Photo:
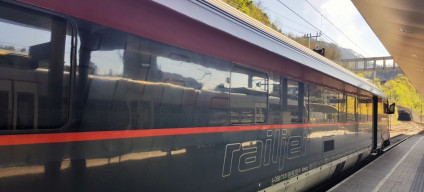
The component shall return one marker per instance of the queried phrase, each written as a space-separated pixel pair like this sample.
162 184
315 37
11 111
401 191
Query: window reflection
351 108
274 100
323 104
35 65
293 101
107 63
138 83
248 99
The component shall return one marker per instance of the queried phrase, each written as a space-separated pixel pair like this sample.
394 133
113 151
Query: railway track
401 132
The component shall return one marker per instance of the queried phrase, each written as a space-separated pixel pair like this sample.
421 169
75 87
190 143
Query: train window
304 106
316 104
143 84
274 99
362 109
109 101
293 101
323 105
370 110
342 107
351 108
331 103
248 96
34 69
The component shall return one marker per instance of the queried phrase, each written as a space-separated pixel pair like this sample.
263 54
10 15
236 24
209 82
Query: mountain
346 53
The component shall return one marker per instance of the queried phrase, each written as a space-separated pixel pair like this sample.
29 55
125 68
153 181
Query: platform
398 169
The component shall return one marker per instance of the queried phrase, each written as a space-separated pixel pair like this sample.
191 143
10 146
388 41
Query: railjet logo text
275 149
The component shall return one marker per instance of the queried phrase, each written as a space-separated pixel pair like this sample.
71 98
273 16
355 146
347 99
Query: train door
383 121
376 130
381 135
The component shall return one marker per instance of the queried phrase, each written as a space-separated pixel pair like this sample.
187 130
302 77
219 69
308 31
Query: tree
8 47
252 10
360 75
403 93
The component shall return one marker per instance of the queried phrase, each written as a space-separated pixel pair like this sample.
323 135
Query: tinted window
275 99
370 110
342 107
34 69
323 105
362 109
331 105
248 96
139 83
351 108
293 101
316 107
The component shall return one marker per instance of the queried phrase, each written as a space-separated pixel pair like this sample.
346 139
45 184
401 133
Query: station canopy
399 24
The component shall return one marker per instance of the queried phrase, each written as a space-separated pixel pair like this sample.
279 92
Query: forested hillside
332 51
401 91
253 10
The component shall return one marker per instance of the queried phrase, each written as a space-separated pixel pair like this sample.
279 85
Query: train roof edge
224 17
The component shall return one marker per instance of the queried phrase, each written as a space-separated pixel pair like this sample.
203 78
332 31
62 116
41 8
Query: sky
340 23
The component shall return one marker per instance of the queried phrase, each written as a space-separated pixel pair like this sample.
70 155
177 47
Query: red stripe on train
123 134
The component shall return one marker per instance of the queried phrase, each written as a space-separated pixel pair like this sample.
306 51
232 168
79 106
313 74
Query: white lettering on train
275 149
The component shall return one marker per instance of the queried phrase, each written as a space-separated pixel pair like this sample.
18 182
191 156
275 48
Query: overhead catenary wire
302 32
294 29
286 18
322 16
310 24
297 14
342 49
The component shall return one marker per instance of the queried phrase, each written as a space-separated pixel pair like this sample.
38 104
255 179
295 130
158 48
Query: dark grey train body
161 101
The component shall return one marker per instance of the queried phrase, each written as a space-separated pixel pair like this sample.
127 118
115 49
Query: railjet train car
163 95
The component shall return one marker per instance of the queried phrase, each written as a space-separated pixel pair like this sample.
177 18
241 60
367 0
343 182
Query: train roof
222 16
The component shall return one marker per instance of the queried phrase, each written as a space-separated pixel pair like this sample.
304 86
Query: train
189 95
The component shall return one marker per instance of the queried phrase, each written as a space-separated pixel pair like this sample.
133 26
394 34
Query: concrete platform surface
399 169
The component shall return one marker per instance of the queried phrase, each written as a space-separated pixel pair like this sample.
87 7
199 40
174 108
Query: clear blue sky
356 34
